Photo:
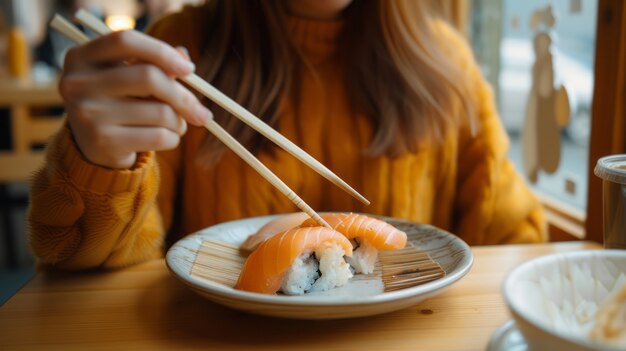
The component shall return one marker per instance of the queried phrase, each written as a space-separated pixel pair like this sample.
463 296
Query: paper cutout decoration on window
575 6
548 108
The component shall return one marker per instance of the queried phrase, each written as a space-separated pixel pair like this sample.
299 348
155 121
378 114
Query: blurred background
502 34
30 107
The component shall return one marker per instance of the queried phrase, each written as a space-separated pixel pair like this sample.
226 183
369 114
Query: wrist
92 177
114 162
101 157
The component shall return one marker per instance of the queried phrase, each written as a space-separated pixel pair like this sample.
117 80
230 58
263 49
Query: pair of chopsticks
206 89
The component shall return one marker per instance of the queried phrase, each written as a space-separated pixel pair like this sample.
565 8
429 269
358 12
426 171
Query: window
539 57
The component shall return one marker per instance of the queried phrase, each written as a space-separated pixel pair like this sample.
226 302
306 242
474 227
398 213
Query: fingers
92 70
116 146
126 45
100 86
110 132
132 113
133 139
142 80
184 52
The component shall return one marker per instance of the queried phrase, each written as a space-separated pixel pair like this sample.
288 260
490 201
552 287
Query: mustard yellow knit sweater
83 216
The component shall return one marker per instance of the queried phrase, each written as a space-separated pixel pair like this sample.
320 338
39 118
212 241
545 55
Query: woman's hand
116 110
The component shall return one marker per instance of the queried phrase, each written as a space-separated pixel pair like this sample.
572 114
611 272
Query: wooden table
143 307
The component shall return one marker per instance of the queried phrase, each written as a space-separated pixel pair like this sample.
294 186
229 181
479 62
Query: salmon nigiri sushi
273 227
296 261
367 234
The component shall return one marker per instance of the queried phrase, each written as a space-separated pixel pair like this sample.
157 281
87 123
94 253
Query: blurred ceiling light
120 22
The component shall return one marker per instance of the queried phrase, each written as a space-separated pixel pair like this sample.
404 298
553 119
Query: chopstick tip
361 198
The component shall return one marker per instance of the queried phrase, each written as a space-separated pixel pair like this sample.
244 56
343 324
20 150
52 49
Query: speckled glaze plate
360 297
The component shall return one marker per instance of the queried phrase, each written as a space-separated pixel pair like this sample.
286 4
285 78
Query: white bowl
553 298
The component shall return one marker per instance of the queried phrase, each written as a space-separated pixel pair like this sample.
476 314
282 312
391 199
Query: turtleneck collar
316 39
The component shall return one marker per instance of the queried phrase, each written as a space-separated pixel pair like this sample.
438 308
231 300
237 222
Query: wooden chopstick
234 145
206 89
68 29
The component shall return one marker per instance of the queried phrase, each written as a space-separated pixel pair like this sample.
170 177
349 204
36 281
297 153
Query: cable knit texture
84 216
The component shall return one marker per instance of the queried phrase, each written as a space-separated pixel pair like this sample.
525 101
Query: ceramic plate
358 298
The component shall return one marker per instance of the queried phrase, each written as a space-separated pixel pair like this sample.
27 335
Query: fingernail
190 65
203 114
183 126
184 51
185 67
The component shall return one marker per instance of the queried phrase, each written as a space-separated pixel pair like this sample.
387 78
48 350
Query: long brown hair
403 80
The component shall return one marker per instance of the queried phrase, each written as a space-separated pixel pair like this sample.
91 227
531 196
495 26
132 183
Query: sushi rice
310 274
363 257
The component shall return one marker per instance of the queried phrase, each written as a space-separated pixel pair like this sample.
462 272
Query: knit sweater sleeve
84 216
493 203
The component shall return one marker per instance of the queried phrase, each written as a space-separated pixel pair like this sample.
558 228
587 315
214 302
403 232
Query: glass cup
612 170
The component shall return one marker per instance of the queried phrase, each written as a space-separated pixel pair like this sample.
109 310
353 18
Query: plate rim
246 296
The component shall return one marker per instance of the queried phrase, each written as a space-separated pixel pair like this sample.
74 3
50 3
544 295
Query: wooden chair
27 104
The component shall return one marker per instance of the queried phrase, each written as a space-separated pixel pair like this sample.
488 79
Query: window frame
608 116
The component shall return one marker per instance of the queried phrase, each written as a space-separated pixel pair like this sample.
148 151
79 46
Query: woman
383 94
